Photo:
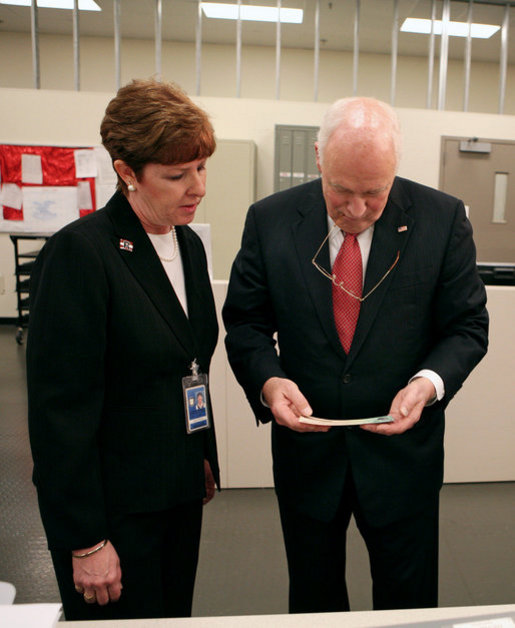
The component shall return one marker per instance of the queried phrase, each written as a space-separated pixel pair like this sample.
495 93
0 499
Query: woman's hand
98 578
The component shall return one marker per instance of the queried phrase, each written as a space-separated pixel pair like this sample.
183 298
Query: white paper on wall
85 163
84 195
31 170
47 209
11 195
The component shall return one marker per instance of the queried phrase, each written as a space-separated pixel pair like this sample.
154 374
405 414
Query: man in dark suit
421 328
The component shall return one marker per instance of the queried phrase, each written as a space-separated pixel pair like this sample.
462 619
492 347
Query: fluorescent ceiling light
84 5
458 29
252 13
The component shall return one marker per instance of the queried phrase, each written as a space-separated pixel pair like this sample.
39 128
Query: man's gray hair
345 107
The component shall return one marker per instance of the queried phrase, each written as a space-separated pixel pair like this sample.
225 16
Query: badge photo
197 413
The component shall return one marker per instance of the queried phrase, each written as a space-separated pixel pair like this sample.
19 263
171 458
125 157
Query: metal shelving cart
23 262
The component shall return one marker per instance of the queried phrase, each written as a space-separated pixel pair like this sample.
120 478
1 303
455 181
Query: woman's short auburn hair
150 121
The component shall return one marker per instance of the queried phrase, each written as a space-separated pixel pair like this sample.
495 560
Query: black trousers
158 554
403 558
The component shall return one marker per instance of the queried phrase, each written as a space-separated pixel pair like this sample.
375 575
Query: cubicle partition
480 426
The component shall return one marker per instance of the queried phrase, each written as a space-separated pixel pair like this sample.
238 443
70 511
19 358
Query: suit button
347 378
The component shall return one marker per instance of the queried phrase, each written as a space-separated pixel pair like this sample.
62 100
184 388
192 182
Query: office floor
242 568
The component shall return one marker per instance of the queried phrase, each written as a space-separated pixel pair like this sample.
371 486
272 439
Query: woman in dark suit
122 330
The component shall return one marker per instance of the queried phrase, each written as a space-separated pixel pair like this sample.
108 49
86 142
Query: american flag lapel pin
126 245
403 228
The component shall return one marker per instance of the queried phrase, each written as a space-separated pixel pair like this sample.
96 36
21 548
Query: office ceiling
179 20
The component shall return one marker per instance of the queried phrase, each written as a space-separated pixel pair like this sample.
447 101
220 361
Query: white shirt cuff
437 382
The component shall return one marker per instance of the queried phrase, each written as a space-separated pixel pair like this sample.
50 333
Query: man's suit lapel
391 234
147 269
308 234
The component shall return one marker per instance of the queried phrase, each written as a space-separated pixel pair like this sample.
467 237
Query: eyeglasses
339 284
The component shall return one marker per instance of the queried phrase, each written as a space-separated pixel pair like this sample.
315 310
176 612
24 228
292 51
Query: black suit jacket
428 313
108 344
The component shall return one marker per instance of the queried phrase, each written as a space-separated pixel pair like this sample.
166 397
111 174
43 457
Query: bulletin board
44 188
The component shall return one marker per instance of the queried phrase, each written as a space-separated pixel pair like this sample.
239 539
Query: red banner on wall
56 167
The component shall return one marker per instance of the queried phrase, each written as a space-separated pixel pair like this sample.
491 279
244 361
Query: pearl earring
130 187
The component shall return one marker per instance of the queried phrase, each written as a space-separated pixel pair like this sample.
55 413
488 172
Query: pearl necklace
175 248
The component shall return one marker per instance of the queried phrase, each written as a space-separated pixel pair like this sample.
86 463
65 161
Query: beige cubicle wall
231 188
480 427
243 447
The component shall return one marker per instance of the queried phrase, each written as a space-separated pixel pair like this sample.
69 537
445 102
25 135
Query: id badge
195 388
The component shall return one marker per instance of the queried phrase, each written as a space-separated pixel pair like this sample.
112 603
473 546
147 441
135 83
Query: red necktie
348 269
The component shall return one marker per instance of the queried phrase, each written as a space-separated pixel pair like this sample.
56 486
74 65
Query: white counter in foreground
465 617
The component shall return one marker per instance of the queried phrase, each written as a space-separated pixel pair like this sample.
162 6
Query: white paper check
313 420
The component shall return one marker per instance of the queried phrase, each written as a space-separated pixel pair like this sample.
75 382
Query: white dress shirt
165 246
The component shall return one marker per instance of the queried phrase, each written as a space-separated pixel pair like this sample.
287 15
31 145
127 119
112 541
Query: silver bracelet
93 551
